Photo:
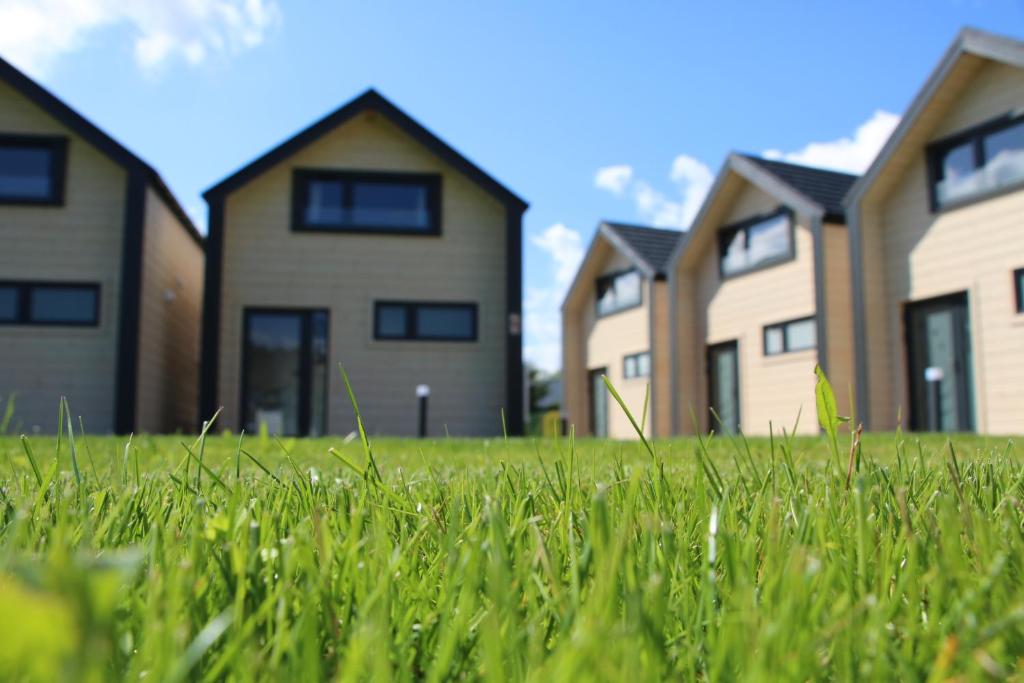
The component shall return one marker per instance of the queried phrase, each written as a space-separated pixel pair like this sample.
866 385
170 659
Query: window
399 320
1018 281
637 365
619 291
32 303
402 203
795 335
977 162
32 169
756 243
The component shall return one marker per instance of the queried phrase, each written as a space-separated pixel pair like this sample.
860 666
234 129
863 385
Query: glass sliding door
284 371
598 403
939 355
724 387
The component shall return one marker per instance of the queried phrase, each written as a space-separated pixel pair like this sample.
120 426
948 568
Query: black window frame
300 194
726 233
936 150
411 333
785 339
1018 287
58 147
635 357
24 290
611 277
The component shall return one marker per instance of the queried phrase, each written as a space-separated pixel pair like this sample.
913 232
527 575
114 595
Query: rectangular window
32 169
619 291
977 162
1018 282
794 335
424 321
756 243
637 365
49 303
403 203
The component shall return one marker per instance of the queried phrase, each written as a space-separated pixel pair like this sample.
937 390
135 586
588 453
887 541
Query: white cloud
614 179
34 34
853 155
542 316
692 180
565 247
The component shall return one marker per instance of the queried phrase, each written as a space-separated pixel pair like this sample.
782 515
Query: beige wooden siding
661 359
608 340
839 313
974 248
265 264
80 241
772 389
172 288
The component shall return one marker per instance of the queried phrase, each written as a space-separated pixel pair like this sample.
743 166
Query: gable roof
88 131
806 190
970 41
827 188
370 100
653 247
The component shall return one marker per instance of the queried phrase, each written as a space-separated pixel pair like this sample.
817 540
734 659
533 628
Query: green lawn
525 559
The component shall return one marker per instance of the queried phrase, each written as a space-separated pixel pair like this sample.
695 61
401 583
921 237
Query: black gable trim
371 100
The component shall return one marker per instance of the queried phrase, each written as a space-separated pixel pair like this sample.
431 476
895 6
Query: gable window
756 243
619 291
977 162
424 321
1018 283
32 169
637 365
794 335
33 303
405 203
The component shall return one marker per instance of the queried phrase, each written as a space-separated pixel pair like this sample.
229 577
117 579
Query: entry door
598 403
939 354
284 371
724 386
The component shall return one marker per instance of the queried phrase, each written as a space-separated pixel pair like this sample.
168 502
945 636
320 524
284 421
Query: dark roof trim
96 137
370 100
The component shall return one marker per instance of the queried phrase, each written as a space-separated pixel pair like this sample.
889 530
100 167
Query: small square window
426 321
9 303
636 365
392 321
795 335
31 169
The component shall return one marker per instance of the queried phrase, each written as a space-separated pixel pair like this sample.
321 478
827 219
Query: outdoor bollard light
423 393
933 376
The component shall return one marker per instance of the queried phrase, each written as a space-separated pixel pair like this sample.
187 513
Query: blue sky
591 110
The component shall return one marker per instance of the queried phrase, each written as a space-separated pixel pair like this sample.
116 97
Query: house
615 323
937 251
760 294
101 275
363 241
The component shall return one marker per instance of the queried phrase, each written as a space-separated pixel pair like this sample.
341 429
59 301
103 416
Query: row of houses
364 240
906 284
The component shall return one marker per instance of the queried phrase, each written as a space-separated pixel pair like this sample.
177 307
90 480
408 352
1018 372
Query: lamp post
423 394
